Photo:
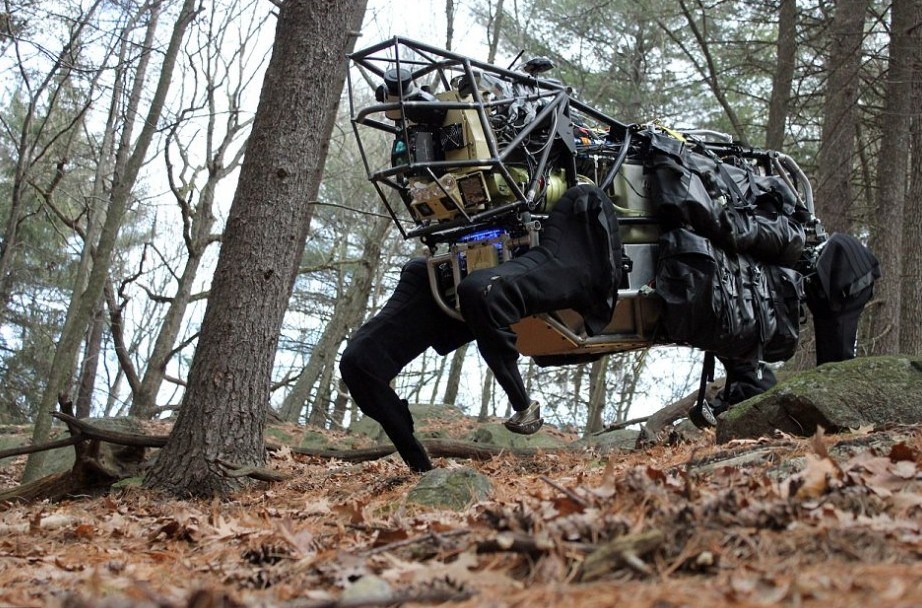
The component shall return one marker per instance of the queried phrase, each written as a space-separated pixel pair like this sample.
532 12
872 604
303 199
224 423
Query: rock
685 430
496 434
618 439
867 391
110 455
368 590
454 489
422 415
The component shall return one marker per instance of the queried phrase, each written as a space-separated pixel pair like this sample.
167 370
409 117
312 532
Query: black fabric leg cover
577 265
837 330
409 323
745 378
837 294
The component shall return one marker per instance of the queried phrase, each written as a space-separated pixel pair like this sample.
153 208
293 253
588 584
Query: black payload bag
685 192
726 202
714 301
787 289
764 219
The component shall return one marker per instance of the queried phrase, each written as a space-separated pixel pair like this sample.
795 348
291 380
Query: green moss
314 439
454 489
280 435
129 482
498 435
836 396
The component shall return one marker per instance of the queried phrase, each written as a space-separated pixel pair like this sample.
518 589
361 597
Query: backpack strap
707 375
701 415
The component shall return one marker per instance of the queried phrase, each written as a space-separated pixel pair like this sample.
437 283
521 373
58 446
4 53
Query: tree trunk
340 405
630 381
437 381
84 401
910 302
129 163
454 375
421 379
320 409
783 76
597 392
494 29
833 191
449 23
887 235
224 408
578 373
486 395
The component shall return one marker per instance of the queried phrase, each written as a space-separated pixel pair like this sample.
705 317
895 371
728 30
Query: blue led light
482 235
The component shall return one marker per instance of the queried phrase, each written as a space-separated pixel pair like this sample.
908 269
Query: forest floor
827 521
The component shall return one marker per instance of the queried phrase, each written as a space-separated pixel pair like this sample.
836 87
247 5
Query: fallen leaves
800 523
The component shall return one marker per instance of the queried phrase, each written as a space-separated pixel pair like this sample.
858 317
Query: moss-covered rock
837 396
618 439
314 440
496 434
62 459
423 414
281 435
454 489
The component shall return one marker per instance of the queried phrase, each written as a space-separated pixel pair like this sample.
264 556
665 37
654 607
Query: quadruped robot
469 158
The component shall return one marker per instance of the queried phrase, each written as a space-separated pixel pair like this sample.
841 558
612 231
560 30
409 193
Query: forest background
124 126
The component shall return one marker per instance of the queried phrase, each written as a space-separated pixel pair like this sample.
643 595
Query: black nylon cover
844 269
714 301
737 209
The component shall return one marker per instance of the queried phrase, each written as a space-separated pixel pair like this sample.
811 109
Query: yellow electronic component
473 144
481 256
440 200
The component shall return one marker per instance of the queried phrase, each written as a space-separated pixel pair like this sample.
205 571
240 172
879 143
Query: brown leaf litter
829 521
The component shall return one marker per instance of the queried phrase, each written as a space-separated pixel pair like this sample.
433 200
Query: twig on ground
412 541
236 471
568 492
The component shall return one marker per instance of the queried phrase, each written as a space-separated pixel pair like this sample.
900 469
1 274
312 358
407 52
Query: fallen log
438 448
97 467
120 438
656 428
51 445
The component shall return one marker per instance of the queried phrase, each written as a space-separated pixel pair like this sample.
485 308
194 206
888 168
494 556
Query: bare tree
836 158
349 310
597 394
892 176
494 29
486 395
911 276
783 76
215 62
450 397
706 64
224 408
632 367
130 158
449 23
